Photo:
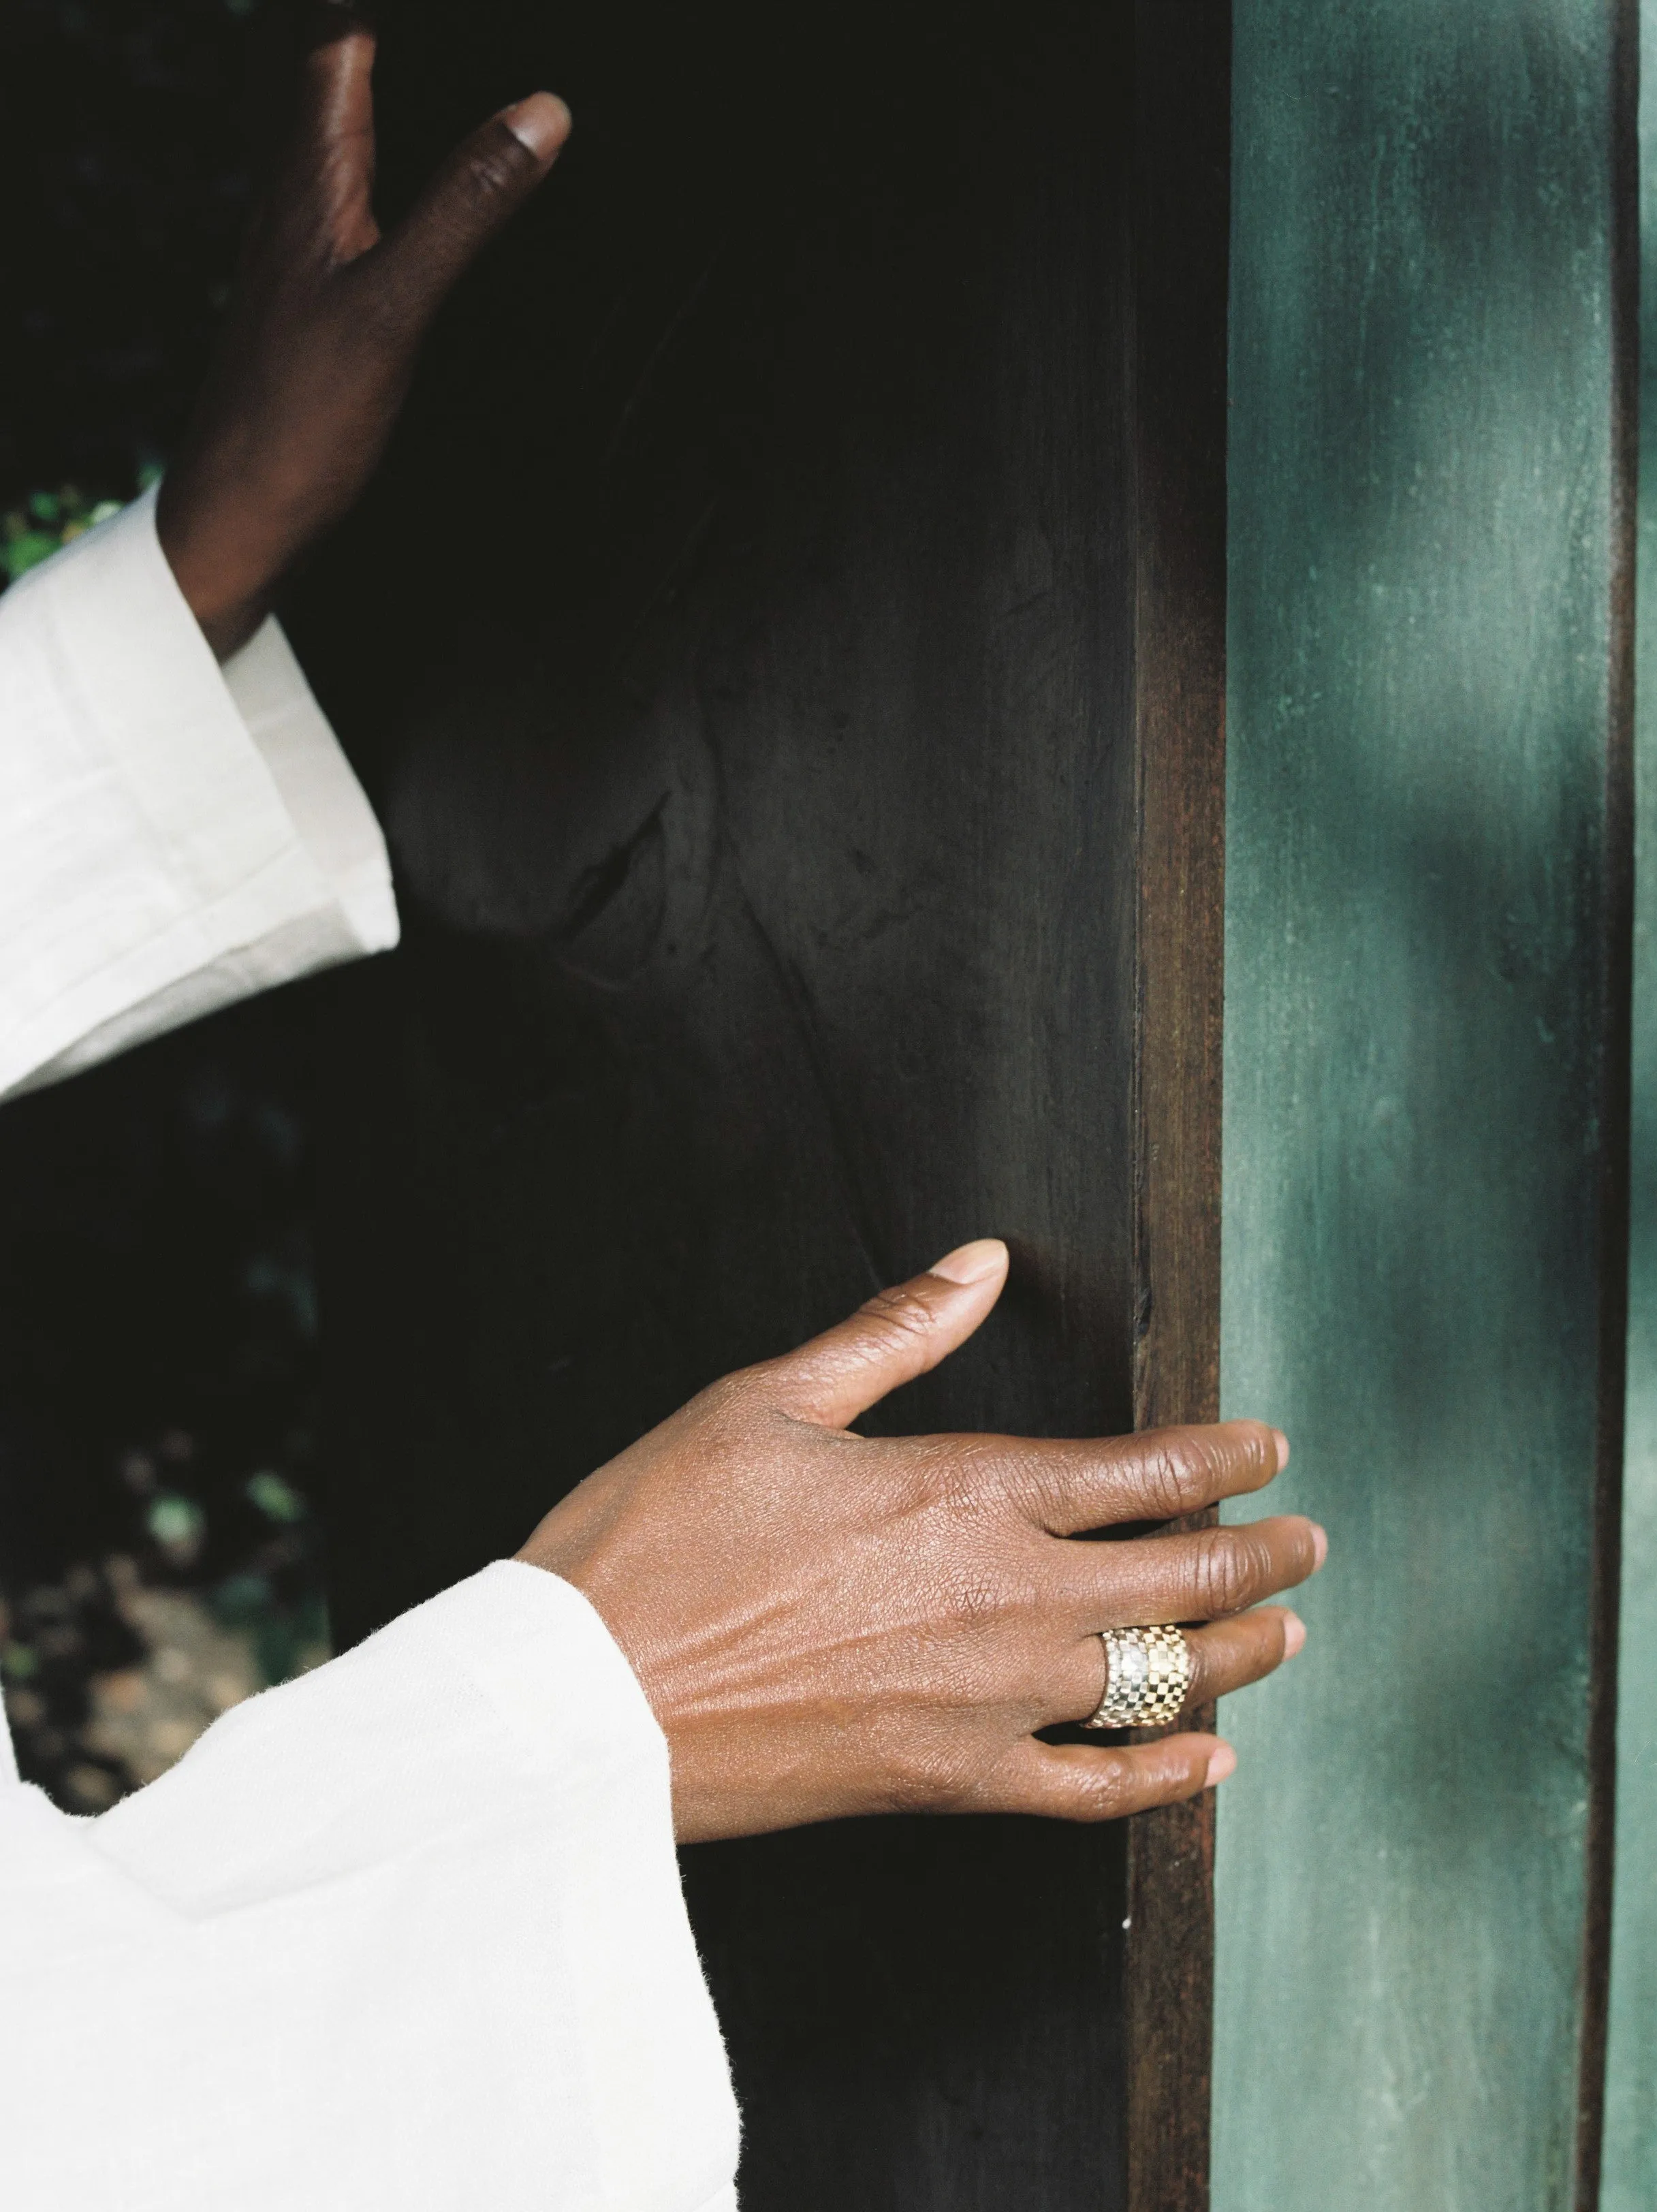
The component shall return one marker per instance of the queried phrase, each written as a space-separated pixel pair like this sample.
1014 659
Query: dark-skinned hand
325 326
824 1624
828 1624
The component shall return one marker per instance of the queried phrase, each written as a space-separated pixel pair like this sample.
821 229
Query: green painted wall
1419 640
1631 2170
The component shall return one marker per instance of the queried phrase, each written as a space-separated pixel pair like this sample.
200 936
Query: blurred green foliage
45 520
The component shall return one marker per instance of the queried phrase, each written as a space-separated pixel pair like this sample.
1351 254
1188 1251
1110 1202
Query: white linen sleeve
405 1935
173 835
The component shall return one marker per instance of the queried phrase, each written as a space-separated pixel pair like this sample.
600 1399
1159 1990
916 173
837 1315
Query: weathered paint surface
1631 2169
1421 533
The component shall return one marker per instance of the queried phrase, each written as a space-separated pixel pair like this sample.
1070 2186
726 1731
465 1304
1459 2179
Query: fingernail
1294 1634
971 1263
1320 1547
1282 1450
1222 1761
541 123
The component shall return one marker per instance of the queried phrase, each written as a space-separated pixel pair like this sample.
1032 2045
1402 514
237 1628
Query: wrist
226 594
230 626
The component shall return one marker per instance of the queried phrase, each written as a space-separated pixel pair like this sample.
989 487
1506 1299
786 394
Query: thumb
481 185
899 1335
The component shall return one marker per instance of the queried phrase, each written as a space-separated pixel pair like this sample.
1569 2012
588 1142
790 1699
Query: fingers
1196 1577
1161 1474
899 1335
1084 1781
1229 1655
1080 1782
479 188
330 165
337 79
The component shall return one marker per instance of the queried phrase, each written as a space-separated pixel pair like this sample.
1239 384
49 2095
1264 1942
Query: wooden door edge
1181 246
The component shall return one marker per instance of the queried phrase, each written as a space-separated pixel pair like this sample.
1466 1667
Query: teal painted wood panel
1423 532
1630 2167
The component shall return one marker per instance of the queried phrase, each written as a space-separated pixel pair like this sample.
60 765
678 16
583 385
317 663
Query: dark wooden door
792 685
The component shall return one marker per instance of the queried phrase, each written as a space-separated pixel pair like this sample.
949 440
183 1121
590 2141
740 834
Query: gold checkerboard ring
1148 1673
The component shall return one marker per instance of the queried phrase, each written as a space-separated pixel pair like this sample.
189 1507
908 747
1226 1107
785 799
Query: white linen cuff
411 1925
509 1678
176 835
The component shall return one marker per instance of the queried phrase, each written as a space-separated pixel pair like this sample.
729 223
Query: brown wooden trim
1618 999
1181 253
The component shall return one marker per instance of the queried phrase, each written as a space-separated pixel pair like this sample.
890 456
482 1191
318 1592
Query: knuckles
1183 1471
495 171
1254 1453
1233 1567
1224 1576
1230 1572
730 1401
974 1596
1106 1789
1175 1476
967 1478
1113 1784
892 1320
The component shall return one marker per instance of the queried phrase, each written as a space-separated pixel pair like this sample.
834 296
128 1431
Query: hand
828 1624
322 340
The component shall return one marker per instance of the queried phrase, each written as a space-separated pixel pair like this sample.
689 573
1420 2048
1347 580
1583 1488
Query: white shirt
407 1934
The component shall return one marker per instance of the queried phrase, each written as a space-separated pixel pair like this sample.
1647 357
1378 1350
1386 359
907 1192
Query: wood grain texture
1426 995
767 796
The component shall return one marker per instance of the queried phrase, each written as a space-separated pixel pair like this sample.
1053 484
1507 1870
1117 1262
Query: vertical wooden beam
1182 207
1427 991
